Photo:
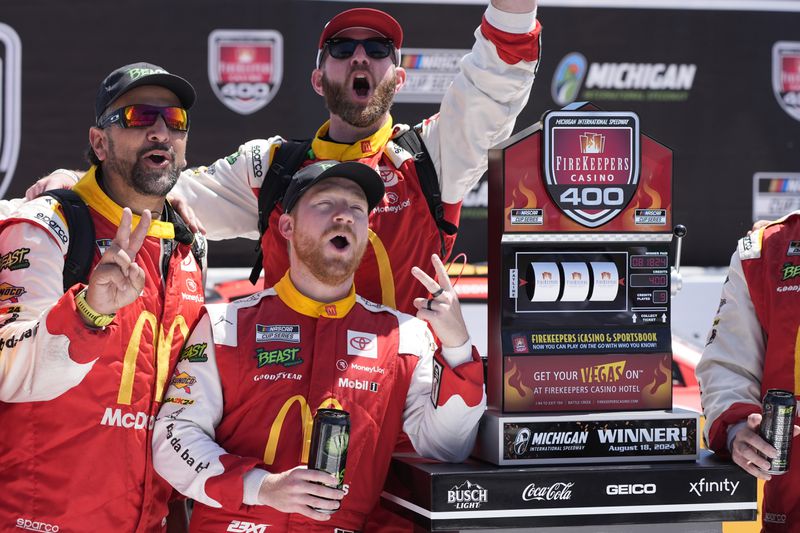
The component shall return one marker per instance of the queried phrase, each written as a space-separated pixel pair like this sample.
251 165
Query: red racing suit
262 366
753 347
77 404
477 112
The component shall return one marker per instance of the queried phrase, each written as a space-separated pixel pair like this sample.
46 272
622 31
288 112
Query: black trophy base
590 438
477 495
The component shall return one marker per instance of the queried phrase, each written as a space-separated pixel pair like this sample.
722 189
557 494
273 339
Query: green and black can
777 427
330 437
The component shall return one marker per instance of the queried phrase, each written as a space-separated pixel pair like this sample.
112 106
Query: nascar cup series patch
786 76
245 67
591 163
10 74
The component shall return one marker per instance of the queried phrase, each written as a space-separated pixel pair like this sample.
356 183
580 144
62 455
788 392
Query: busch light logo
591 163
467 496
568 79
786 76
245 67
521 441
10 74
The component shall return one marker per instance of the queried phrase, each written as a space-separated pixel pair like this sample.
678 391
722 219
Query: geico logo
53 226
636 488
237 526
115 417
31 525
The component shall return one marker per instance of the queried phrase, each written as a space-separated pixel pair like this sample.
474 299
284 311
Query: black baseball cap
305 178
135 75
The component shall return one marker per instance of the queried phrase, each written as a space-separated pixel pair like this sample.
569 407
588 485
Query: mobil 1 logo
10 95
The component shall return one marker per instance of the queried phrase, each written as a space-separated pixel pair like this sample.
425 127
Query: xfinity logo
556 491
635 488
468 495
704 486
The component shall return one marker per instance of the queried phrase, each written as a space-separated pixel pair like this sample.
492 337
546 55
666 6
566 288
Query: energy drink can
330 437
777 427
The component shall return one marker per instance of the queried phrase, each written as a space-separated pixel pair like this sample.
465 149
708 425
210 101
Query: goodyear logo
284 357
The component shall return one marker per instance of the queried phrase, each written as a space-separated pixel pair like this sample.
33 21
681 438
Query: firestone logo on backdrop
10 94
245 67
786 76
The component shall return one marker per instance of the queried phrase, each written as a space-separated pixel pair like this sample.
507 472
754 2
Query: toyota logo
360 343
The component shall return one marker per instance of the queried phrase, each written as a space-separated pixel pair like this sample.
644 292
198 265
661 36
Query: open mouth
361 85
340 242
157 157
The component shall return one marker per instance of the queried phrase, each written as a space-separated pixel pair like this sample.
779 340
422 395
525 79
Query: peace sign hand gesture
117 280
443 310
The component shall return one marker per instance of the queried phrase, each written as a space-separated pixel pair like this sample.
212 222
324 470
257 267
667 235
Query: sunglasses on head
143 115
376 47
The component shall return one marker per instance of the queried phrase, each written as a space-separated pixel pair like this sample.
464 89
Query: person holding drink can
235 432
749 374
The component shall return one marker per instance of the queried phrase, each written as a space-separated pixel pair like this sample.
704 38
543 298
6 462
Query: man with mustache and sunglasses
82 371
237 442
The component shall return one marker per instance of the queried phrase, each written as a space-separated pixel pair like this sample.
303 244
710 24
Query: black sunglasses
376 47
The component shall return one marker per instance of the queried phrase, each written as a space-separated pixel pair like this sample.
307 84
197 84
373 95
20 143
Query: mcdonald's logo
306 422
163 344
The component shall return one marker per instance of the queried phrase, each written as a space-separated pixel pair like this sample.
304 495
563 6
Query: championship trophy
580 353
580 231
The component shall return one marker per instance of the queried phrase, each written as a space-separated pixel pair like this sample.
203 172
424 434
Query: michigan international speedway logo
245 67
10 103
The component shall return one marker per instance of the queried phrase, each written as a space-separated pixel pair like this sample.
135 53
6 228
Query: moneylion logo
10 95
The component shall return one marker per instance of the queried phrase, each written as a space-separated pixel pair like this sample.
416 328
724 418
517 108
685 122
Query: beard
144 180
330 271
358 115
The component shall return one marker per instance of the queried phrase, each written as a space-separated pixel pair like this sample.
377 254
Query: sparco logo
704 486
635 488
467 495
556 491
140 420
258 170
237 526
521 441
30 525
53 226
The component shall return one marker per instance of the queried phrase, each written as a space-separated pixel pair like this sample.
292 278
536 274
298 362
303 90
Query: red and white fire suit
477 112
753 347
255 372
77 404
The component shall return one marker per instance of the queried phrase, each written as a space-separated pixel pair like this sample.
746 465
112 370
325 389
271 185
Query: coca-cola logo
556 491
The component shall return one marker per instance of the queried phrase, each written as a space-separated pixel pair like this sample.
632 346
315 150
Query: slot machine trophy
579 296
580 351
